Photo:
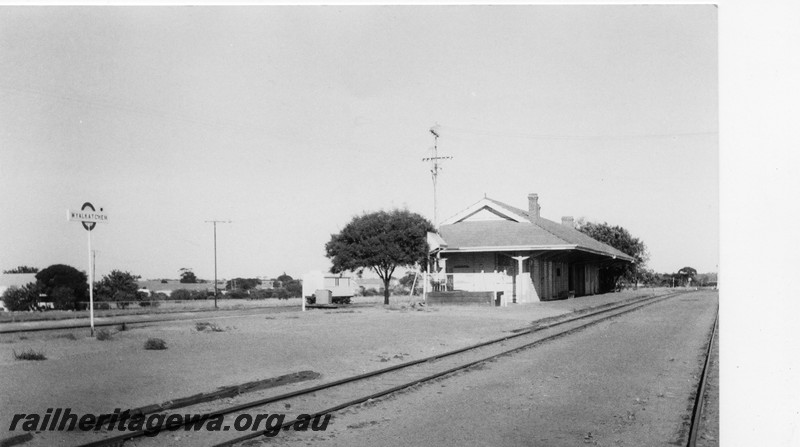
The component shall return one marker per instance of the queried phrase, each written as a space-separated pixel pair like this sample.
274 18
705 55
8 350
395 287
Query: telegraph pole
435 160
215 222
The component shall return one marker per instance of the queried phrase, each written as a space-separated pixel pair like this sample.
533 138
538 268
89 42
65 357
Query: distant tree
22 269
686 274
294 288
118 286
21 298
187 276
410 280
623 241
65 286
284 278
381 241
242 283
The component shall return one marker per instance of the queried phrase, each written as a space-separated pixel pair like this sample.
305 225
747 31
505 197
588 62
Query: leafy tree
284 278
408 281
116 284
187 276
22 269
381 241
64 285
623 241
21 298
294 288
685 274
243 283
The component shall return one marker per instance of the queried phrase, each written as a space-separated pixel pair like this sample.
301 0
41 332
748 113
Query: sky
288 121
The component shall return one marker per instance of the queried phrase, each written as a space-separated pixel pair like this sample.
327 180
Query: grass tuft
203 325
155 344
29 354
103 334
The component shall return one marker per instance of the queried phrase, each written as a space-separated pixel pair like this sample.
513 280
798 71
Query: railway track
327 398
695 422
188 315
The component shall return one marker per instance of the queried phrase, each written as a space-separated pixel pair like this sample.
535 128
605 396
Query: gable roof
516 232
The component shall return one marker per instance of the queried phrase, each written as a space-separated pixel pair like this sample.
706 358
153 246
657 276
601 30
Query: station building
493 246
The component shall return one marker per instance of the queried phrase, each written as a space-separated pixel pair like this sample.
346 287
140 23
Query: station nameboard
87 216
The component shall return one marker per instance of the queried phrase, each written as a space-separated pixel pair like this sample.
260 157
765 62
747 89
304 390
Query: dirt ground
88 375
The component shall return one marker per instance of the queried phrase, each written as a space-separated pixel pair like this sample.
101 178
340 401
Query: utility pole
435 170
215 222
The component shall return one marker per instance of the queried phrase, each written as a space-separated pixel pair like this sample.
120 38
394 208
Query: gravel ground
93 376
628 381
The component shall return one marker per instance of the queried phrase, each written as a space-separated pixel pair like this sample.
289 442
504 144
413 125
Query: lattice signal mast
435 160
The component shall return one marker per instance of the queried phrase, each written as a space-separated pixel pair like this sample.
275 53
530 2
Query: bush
184 295
103 334
20 298
29 354
238 294
340 300
260 294
280 293
203 325
148 303
155 344
101 306
311 299
180 294
63 298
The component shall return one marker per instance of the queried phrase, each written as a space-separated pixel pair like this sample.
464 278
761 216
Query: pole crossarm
435 160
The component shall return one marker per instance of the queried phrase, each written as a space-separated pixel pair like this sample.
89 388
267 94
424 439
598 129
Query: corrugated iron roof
544 234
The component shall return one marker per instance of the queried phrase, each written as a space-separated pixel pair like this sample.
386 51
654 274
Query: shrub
63 298
260 294
20 298
280 293
340 300
155 344
149 303
103 334
311 299
180 294
238 293
102 306
29 354
203 325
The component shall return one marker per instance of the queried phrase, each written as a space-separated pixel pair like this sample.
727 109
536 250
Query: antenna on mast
435 169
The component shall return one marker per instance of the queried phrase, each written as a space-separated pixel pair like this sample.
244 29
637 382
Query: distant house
8 280
156 286
374 283
536 258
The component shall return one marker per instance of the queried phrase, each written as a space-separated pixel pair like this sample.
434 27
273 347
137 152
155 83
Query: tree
22 269
187 276
294 288
66 286
284 278
242 283
409 280
623 241
685 274
21 298
118 286
381 241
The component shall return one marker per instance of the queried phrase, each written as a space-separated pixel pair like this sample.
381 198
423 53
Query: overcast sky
289 121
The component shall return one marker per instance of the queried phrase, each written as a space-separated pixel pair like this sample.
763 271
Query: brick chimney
568 221
533 207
